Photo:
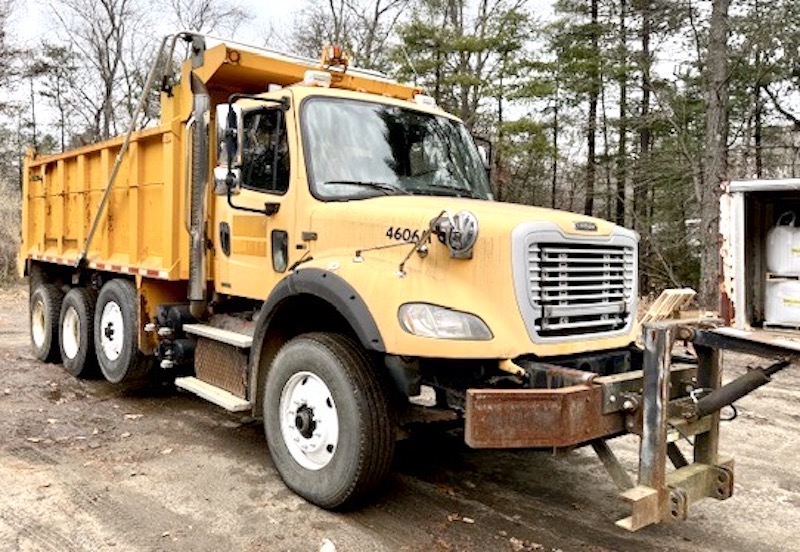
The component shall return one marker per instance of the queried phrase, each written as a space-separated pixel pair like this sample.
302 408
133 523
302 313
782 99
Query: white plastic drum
783 246
782 304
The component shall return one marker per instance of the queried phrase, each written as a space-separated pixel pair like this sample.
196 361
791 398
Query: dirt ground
85 467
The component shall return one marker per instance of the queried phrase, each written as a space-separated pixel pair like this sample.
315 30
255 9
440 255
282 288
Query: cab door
252 229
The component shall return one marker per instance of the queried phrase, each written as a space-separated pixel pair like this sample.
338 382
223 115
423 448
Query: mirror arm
269 209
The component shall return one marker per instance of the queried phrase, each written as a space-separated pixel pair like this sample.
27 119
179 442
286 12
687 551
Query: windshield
357 149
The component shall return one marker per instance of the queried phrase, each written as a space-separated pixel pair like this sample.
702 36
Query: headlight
427 320
458 232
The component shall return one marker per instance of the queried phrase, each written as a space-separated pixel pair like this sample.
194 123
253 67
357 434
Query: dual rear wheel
89 332
75 337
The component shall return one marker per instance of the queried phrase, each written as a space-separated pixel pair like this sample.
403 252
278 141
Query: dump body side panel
139 231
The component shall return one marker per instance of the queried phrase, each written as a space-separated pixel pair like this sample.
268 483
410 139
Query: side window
265 155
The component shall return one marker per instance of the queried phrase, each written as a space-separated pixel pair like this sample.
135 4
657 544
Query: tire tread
137 365
52 297
85 300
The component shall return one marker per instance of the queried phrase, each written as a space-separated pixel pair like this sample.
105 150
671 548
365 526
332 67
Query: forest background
630 110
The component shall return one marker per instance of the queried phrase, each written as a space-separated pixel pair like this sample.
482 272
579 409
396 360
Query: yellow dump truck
319 245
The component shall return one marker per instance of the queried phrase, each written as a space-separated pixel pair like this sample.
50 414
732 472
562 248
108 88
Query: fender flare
332 289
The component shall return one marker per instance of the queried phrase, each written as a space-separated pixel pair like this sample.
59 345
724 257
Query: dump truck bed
139 232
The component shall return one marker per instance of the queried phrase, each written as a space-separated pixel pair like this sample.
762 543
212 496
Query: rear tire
328 420
45 306
116 333
76 332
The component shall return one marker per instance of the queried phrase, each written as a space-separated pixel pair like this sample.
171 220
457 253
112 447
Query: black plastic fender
328 287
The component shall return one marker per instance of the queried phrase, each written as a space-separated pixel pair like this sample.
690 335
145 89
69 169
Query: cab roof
230 69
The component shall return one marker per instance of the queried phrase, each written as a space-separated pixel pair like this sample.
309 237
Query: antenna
411 65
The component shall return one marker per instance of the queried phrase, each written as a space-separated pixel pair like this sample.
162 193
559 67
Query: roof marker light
317 78
424 99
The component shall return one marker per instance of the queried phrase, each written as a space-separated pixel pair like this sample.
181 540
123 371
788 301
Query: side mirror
227 181
227 176
232 134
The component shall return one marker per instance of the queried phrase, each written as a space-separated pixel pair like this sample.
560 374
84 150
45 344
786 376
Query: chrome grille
578 289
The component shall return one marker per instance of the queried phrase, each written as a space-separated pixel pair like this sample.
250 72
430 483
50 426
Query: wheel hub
304 421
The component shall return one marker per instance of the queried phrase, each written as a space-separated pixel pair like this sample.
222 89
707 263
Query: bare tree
7 53
10 149
317 24
595 86
219 16
362 27
53 66
100 33
374 24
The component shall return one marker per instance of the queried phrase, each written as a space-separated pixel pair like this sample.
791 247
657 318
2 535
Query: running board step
236 339
214 394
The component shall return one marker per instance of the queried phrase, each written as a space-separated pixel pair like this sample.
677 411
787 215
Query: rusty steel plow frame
660 495
663 403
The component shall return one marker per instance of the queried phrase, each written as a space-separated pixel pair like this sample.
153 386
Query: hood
367 222
365 243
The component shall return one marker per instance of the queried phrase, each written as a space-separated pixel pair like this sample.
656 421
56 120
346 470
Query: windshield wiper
385 187
453 190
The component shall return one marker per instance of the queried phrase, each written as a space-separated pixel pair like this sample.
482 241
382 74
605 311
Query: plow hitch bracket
673 408
660 496
666 496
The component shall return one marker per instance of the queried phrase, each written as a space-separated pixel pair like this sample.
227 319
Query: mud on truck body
317 245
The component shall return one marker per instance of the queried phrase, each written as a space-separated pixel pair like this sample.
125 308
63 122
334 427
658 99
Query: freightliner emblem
585 226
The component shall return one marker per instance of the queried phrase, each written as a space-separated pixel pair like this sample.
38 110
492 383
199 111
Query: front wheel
327 420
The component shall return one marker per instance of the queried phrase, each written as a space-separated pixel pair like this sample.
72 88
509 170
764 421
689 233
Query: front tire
116 333
328 421
45 307
76 332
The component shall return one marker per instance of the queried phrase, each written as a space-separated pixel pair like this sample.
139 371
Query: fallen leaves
459 517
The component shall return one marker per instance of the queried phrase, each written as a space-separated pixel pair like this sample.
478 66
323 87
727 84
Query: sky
32 20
